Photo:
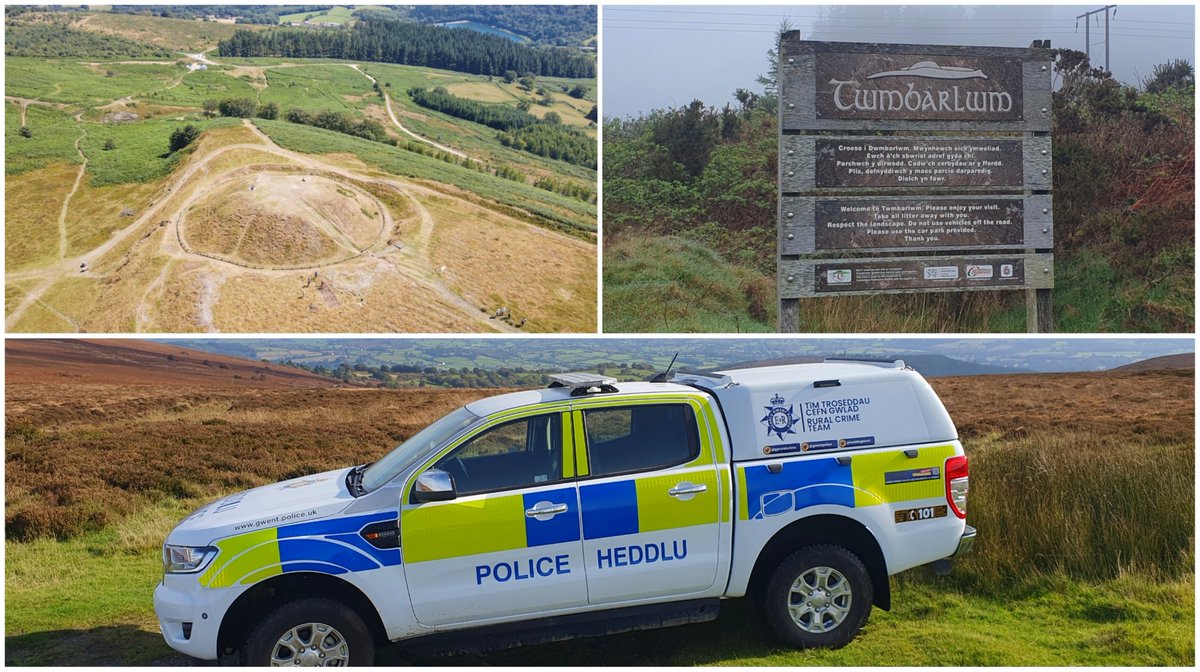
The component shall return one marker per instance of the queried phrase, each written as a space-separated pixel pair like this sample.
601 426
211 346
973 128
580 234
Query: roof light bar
584 382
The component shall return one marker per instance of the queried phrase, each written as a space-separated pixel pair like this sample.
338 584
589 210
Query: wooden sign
965 164
893 149
864 86
894 275
907 224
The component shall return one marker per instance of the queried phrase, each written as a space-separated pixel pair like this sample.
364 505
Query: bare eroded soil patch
282 220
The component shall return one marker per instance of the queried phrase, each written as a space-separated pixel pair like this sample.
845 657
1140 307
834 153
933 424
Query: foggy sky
663 56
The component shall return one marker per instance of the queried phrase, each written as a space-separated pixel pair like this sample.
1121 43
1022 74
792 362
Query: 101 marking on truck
588 507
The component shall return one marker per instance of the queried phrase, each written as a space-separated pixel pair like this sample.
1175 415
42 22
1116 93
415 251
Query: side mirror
434 485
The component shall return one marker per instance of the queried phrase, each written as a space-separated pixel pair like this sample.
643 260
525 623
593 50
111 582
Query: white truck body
580 518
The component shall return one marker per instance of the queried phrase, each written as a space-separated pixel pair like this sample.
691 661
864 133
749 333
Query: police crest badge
780 419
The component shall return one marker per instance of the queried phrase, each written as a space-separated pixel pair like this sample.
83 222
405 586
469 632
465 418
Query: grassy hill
89 159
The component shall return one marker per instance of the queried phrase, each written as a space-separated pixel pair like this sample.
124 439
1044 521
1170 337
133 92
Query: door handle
687 488
545 510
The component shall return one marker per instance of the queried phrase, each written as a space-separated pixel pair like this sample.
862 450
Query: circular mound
281 220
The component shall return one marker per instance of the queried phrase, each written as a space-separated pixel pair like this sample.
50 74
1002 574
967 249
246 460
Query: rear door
509 544
651 499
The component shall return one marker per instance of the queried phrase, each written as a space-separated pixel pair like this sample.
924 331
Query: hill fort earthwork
330 201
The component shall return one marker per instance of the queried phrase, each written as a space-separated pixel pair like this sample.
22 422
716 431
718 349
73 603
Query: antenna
662 377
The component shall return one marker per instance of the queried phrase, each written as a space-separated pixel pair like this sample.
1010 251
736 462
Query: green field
338 15
200 85
52 139
318 87
166 96
68 81
140 152
156 90
556 211
475 139
103 586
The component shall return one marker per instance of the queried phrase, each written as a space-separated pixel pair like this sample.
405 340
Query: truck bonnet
298 500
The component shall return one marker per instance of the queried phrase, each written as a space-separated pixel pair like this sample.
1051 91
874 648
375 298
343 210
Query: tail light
957 484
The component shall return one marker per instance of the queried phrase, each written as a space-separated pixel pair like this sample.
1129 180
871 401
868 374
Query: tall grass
1079 505
671 284
1088 502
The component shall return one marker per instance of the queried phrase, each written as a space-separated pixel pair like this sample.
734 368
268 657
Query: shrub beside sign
888 148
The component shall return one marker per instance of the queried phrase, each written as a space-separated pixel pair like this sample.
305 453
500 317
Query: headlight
182 559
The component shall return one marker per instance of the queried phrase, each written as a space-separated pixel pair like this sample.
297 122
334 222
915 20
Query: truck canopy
830 406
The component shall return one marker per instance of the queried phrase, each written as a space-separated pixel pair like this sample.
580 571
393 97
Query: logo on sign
848 94
1006 270
979 271
941 272
840 276
931 70
780 420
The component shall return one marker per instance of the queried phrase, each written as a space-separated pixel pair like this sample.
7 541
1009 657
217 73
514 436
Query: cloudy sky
661 56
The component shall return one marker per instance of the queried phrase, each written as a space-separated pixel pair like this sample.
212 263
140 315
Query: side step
491 638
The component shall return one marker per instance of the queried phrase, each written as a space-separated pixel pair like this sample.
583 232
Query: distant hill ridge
132 362
1186 360
930 366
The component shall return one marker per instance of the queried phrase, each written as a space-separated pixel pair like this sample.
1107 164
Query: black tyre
819 596
306 632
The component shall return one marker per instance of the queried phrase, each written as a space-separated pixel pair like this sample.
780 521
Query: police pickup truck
586 508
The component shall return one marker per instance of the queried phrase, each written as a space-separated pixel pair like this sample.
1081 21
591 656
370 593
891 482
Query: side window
640 438
517 454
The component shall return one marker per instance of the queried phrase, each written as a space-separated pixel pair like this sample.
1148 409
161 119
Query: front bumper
965 542
188 616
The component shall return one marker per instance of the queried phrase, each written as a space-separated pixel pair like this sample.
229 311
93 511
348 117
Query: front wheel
819 596
313 632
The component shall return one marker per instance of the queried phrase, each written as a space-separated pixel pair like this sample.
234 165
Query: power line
1128 32
880 32
887 20
1146 31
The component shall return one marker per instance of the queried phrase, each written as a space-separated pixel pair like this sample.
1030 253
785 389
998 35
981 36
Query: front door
509 544
650 501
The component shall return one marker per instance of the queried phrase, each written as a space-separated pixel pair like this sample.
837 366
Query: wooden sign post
937 158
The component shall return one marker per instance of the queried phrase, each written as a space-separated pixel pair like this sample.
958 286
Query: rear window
640 438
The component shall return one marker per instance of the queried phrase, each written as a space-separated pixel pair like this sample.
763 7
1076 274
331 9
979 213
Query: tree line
517 128
409 43
553 140
554 24
499 117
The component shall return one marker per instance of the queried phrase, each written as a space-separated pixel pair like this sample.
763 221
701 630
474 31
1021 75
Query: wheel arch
825 529
249 607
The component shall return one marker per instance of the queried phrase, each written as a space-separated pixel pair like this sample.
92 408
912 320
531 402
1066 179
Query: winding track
388 103
62 214
416 272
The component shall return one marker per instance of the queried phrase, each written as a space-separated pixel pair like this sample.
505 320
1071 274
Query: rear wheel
313 632
819 596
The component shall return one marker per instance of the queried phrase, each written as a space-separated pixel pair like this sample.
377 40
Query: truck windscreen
415 448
